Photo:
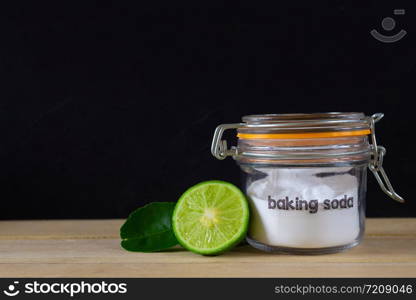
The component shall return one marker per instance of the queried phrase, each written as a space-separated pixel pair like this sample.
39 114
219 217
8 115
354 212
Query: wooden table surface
90 248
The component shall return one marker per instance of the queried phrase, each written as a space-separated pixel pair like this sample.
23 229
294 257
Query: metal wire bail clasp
376 163
218 146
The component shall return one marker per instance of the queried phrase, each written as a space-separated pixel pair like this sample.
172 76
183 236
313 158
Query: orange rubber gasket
305 135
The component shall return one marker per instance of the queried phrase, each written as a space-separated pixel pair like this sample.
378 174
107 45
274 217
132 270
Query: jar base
301 251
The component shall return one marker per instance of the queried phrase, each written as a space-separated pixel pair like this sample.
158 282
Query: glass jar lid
293 126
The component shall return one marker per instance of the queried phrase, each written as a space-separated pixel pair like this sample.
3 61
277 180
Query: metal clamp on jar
305 178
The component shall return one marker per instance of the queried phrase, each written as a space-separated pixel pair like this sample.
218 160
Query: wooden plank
58 229
208 270
90 248
109 251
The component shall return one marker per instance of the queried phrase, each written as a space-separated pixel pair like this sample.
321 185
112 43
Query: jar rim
256 118
329 122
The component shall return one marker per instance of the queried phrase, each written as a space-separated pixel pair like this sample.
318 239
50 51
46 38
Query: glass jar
305 178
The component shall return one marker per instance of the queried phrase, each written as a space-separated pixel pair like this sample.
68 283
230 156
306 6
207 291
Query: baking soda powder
304 207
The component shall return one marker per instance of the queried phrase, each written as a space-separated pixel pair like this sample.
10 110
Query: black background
105 106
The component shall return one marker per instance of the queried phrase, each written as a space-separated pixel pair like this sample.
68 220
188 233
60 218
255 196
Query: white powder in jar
277 219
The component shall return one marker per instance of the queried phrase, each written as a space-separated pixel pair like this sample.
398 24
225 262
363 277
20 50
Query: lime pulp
211 217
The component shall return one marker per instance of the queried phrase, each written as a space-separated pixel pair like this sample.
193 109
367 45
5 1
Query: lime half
211 217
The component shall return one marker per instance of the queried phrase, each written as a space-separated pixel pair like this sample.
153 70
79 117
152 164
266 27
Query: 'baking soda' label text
310 205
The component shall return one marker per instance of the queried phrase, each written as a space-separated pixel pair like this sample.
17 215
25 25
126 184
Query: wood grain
90 248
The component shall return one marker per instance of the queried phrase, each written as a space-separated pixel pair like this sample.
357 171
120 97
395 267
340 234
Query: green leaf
149 228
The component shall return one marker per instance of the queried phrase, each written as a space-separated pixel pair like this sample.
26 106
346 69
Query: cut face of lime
211 217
